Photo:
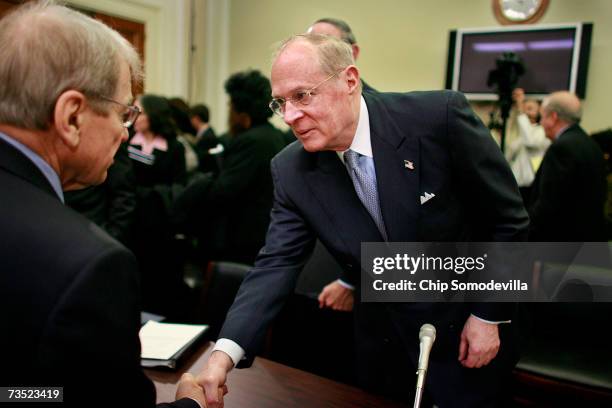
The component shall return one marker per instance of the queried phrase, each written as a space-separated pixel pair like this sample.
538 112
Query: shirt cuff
346 285
231 348
491 322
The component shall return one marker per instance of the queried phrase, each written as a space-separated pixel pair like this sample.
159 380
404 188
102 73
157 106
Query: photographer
526 141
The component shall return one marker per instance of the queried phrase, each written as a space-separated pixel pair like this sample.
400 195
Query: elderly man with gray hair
569 191
69 293
379 167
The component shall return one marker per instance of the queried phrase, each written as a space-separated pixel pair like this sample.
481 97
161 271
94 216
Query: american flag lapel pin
408 164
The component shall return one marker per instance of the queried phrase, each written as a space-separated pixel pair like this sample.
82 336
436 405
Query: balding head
317 91
559 110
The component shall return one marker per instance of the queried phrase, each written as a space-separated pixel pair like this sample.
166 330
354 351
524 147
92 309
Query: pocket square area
426 197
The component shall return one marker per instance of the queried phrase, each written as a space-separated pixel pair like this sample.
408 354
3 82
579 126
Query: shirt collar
362 143
38 161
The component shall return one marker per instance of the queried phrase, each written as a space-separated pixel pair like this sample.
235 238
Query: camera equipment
509 68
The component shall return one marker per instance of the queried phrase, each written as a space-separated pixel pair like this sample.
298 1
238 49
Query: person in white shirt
527 142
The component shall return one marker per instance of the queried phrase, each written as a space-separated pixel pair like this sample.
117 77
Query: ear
356 50
69 116
352 78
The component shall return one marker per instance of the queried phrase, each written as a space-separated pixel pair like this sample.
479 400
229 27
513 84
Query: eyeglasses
301 97
130 114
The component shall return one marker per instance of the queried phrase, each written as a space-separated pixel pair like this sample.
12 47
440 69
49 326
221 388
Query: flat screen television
555 57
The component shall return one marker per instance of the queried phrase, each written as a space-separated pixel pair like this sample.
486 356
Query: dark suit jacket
168 167
207 162
454 157
569 191
234 209
68 295
365 87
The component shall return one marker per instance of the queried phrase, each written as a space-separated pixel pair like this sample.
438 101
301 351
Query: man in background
341 30
205 139
569 191
69 293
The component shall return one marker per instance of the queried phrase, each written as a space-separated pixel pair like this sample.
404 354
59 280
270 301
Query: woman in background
158 157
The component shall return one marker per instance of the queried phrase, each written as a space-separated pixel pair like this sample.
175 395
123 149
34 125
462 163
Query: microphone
427 336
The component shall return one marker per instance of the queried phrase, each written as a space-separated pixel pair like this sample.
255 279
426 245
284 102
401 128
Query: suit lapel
330 183
397 164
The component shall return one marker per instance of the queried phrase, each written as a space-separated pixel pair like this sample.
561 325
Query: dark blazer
167 168
569 191
477 199
68 295
235 208
365 87
206 161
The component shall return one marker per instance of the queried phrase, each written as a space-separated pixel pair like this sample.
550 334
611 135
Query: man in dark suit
436 175
69 293
569 191
205 139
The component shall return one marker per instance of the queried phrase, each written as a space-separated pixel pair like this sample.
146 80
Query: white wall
404 42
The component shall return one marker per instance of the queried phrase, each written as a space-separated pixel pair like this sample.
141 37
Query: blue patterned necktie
361 170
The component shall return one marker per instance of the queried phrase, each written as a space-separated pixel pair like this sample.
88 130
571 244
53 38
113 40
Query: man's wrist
220 357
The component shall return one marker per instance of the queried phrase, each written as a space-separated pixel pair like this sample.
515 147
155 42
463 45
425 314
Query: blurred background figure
157 156
233 209
185 132
205 139
341 30
526 143
159 168
569 191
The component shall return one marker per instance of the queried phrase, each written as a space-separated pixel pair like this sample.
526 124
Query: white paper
162 340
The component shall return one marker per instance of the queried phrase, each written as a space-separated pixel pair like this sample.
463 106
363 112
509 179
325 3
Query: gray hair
334 54
48 49
345 29
565 104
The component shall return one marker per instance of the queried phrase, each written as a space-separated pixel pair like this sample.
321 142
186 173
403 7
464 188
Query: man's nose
292 113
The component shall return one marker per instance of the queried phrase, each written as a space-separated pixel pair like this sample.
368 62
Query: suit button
386 340
349 266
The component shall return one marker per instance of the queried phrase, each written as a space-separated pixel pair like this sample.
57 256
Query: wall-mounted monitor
555 57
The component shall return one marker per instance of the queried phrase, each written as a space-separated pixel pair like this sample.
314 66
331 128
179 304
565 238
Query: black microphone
427 336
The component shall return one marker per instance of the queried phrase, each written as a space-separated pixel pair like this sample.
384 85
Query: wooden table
267 384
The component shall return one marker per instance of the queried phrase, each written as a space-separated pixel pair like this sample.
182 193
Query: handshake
209 387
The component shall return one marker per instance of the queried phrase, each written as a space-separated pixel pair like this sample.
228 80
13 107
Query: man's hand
337 297
479 343
213 377
189 388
